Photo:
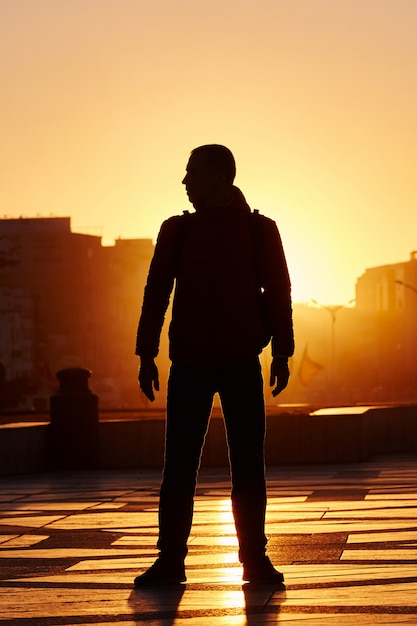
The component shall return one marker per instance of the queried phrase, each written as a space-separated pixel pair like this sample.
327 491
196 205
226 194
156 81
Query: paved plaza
345 537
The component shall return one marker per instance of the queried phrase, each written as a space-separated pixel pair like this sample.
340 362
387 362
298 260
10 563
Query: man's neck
222 198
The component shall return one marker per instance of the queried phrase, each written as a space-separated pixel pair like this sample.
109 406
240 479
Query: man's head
211 170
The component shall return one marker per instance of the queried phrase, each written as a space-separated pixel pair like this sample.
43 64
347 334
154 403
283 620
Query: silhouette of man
232 294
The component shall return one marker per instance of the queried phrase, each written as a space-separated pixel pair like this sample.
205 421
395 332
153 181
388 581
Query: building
365 354
386 301
83 299
16 333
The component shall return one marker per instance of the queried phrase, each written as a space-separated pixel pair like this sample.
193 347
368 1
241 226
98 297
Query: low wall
132 444
389 430
291 439
344 435
23 447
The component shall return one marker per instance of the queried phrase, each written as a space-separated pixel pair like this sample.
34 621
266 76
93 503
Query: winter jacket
220 262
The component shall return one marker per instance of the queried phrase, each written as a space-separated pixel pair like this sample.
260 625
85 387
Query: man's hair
219 158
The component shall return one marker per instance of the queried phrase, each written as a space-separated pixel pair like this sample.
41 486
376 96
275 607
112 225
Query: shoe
162 572
262 572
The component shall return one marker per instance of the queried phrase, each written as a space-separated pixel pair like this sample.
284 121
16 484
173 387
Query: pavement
345 537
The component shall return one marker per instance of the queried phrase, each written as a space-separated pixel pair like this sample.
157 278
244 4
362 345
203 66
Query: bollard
74 441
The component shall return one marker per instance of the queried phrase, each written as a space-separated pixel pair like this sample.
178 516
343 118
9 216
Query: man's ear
222 178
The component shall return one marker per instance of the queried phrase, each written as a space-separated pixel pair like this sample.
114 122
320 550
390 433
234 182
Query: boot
162 572
261 571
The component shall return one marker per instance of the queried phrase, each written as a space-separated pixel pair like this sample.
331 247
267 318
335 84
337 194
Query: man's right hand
148 377
279 375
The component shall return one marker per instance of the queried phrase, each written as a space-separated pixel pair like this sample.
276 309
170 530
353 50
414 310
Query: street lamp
333 309
400 282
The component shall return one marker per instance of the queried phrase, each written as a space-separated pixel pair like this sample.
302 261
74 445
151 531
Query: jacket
222 272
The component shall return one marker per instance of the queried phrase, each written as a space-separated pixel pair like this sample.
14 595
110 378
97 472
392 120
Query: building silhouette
386 302
370 355
16 332
66 301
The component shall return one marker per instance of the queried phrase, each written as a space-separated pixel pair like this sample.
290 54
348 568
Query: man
232 294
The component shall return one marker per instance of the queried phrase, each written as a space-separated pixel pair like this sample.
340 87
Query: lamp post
333 309
400 282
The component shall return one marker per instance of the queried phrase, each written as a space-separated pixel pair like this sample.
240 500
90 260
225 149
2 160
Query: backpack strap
183 228
256 234
256 220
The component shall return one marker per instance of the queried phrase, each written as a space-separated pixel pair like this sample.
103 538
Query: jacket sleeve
277 287
158 289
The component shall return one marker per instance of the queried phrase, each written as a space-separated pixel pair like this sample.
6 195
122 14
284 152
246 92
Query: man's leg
242 401
188 411
241 394
189 405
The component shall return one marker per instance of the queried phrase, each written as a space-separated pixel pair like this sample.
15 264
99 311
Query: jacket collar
237 202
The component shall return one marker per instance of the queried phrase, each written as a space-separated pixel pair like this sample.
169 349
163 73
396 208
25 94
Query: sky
103 100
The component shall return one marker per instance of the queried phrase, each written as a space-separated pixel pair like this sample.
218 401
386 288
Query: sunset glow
103 101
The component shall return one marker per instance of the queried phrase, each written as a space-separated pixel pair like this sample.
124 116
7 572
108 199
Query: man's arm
276 283
155 303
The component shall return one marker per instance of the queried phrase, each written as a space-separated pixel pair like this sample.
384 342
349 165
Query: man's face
202 183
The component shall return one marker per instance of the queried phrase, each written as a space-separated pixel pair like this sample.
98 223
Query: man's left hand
148 377
280 374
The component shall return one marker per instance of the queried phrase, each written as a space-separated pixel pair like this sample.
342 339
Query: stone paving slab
345 537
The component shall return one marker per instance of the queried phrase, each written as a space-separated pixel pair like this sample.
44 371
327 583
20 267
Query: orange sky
102 101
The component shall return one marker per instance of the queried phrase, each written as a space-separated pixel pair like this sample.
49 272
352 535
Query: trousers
191 391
